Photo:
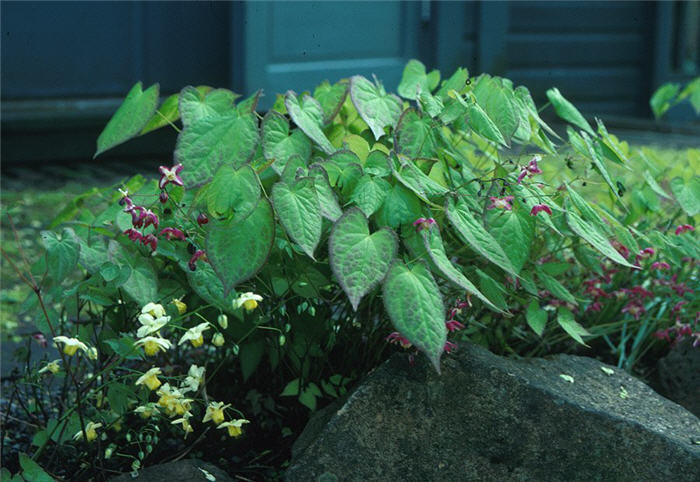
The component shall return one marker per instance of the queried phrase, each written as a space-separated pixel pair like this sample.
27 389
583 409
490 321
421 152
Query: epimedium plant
452 208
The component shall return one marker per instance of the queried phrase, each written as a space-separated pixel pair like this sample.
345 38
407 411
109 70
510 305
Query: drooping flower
163 197
195 377
150 241
150 323
171 233
170 176
202 219
660 265
156 310
185 422
248 300
152 345
194 335
683 228
192 264
234 426
215 412
530 169
70 345
423 223
449 347
147 411
540 207
92 353
150 379
150 218
40 339
181 307
133 234
501 203
90 432
453 325
396 338
52 367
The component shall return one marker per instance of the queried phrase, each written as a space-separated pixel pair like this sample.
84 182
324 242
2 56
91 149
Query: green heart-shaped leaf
308 115
377 108
298 208
360 260
414 304
567 111
132 116
331 98
278 145
214 141
415 135
233 192
195 105
415 80
238 249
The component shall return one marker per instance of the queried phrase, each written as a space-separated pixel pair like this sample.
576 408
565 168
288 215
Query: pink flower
678 306
133 234
621 248
449 347
151 241
501 203
662 334
531 169
396 338
423 223
163 197
192 264
453 325
40 339
540 207
634 308
683 329
170 176
202 219
597 306
171 233
138 215
150 218
683 228
660 265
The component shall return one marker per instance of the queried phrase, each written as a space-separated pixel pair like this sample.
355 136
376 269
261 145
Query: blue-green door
297 45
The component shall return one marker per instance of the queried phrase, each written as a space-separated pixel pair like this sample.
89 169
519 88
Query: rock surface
491 418
679 376
181 470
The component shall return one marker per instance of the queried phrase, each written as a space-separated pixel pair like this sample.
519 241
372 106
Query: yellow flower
248 300
222 320
153 309
70 345
234 426
195 376
181 307
90 432
185 424
146 411
183 406
149 324
171 399
215 412
218 340
194 335
150 379
92 353
152 345
52 367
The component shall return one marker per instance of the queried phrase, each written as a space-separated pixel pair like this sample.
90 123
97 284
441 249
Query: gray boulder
679 376
181 470
491 418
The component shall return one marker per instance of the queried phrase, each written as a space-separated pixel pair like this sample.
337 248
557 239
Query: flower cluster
152 319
